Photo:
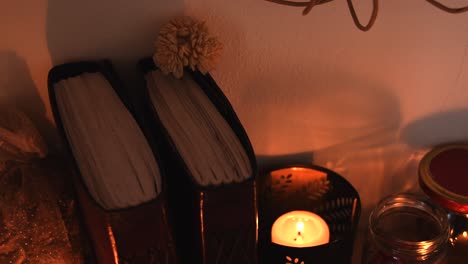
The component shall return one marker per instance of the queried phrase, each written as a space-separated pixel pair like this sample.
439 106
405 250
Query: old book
213 167
118 177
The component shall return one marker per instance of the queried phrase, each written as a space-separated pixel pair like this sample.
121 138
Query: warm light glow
301 177
461 238
113 244
300 229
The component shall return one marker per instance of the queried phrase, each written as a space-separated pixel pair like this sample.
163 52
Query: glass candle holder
307 214
407 228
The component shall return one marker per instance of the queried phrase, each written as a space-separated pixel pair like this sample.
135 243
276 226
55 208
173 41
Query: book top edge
72 69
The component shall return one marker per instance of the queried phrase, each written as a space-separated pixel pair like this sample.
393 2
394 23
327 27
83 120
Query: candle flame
299 226
465 234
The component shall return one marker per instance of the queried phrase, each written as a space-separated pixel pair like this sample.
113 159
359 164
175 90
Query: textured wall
39 34
366 104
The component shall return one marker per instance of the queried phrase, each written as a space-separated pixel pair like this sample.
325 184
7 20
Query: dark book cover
215 223
139 234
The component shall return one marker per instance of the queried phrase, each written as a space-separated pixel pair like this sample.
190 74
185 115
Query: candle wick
299 238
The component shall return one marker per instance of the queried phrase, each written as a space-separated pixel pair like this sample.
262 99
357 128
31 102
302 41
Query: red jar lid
443 175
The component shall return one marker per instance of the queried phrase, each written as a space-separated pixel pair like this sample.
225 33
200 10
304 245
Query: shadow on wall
120 30
318 111
336 120
18 89
439 128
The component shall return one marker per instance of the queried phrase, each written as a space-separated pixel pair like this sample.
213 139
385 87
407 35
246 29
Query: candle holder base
314 189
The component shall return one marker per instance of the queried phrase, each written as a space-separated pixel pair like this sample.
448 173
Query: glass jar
443 176
407 228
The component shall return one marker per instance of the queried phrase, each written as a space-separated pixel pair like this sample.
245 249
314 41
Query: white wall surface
307 88
35 35
365 103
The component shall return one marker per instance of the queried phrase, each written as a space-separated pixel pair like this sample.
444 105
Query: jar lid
443 176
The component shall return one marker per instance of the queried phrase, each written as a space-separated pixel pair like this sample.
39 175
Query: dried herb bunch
183 42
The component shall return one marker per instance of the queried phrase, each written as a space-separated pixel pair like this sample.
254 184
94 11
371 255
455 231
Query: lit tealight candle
300 229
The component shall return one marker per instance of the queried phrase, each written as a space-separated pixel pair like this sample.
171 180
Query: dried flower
184 42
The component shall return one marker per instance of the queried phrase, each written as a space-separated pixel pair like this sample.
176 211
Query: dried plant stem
309 7
310 4
448 9
375 11
299 4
